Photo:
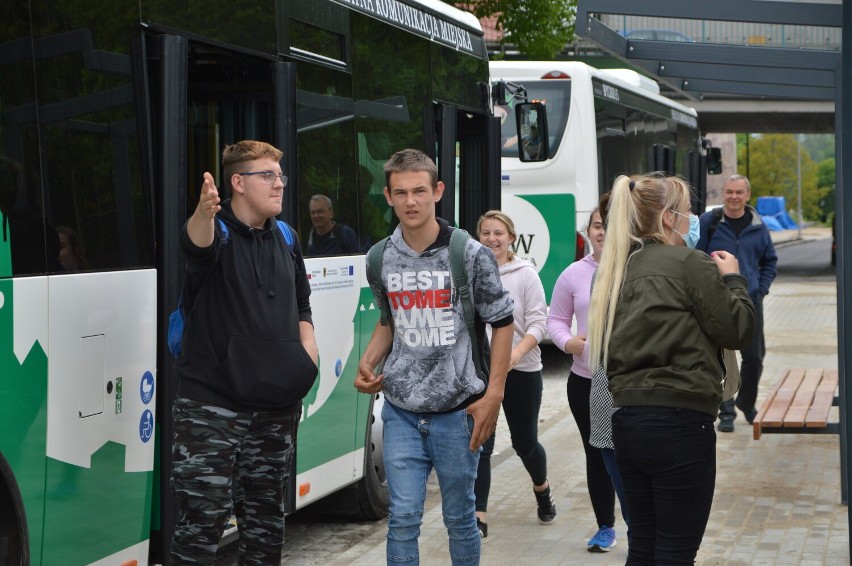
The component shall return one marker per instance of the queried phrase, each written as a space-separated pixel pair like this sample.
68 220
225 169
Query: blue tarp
773 211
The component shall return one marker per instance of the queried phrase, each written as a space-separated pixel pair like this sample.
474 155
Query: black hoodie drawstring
271 287
257 248
257 252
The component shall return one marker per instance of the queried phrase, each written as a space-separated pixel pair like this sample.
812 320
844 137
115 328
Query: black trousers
601 491
521 404
667 460
751 368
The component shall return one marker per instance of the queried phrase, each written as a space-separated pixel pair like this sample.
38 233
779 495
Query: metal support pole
800 219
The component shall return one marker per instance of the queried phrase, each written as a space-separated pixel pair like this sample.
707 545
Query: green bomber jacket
675 313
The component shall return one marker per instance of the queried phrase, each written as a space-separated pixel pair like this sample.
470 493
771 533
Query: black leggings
521 404
601 491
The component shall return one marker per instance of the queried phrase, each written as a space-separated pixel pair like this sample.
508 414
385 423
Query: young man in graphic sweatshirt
437 410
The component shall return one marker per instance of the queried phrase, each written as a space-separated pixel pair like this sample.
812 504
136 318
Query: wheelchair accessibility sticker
146 425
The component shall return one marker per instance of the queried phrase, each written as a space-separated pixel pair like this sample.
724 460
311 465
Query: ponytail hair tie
632 184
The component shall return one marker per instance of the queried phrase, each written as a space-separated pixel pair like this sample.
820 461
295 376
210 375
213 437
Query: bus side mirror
531 120
714 161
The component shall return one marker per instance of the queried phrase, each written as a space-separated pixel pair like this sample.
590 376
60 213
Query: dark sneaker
546 507
725 425
603 541
749 414
483 528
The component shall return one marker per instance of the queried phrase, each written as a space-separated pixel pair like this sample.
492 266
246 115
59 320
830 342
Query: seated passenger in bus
328 237
533 144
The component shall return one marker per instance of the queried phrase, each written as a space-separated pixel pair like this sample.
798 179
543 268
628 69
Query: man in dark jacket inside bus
738 229
248 358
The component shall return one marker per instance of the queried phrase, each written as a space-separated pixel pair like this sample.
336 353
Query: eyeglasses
268 176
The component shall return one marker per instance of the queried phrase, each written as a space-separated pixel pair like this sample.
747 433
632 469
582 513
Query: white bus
109 114
600 124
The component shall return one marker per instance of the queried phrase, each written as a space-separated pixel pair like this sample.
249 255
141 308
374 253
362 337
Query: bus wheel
12 522
373 488
366 499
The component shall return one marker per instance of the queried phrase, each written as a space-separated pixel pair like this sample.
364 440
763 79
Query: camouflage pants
224 461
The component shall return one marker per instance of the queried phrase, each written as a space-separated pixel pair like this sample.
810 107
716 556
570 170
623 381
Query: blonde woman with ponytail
659 316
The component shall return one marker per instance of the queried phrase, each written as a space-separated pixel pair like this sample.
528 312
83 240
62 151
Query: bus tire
13 530
373 496
367 498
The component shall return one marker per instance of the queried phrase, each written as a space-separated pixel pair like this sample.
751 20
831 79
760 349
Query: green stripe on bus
560 215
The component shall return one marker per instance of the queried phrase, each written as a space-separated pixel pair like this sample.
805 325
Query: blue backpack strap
224 228
287 232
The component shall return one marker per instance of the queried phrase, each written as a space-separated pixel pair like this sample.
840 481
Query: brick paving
777 499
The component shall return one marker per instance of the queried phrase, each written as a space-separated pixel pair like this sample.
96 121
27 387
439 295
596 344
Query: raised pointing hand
208 204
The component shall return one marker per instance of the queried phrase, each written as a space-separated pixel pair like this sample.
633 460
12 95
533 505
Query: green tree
773 171
538 28
825 187
820 146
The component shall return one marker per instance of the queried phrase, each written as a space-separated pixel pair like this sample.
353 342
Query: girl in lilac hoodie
522 396
570 298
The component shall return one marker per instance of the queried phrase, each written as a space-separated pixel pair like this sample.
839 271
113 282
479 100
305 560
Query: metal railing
725 33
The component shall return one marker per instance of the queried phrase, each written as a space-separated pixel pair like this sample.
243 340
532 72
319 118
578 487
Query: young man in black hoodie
248 358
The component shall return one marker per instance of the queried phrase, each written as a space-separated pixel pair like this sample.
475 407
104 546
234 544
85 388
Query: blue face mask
690 238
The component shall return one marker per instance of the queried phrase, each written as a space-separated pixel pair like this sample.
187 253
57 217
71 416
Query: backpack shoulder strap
224 228
717 217
458 271
375 257
287 233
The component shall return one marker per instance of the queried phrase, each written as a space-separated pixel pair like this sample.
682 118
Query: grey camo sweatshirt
430 367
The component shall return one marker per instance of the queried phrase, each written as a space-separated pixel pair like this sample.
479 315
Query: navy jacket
244 297
753 249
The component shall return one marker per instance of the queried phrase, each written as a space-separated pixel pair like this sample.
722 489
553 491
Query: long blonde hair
635 216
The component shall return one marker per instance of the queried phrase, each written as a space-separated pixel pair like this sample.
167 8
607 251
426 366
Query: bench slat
823 400
786 391
758 419
801 402
798 411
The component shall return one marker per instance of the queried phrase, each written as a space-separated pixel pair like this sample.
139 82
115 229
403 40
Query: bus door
202 98
468 159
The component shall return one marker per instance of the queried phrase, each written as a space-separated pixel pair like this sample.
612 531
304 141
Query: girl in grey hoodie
522 397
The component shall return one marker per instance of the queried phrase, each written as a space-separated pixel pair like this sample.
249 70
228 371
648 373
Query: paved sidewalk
777 499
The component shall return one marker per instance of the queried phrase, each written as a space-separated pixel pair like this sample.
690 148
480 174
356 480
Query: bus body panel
112 119
101 415
81 477
23 396
344 318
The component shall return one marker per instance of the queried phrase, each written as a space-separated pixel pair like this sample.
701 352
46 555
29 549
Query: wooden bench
800 403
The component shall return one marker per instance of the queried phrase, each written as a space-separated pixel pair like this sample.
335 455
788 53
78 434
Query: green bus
109 114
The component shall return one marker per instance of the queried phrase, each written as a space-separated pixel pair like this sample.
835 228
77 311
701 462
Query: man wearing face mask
738 229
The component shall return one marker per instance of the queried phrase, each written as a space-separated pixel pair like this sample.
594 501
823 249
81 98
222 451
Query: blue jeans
667 460
414 443
608 455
